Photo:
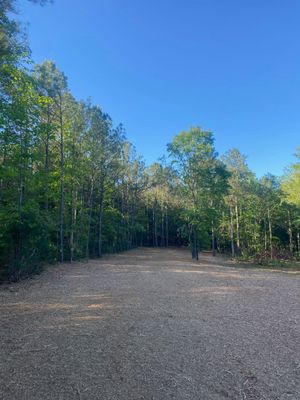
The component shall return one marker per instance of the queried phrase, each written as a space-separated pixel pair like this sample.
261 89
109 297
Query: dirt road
150 324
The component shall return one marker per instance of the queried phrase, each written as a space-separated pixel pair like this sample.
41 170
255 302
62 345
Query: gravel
151 324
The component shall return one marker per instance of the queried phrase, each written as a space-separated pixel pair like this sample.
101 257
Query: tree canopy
73 187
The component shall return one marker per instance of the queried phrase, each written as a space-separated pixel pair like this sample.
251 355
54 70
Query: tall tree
195 160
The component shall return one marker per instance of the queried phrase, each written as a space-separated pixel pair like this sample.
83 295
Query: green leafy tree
195 160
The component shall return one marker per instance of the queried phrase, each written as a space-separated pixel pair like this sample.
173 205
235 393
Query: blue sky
162 66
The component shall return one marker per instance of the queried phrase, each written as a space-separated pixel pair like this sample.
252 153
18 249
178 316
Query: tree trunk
62 183
290 233
194 243
155 244
4 147
73 223
148 225
162 244
238 249
265 235
167 227
87 250
100 220
19 243
232 234
78 238
46 165
21 174
270 234
213 243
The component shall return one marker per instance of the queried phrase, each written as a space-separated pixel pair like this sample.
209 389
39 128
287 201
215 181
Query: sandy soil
151 324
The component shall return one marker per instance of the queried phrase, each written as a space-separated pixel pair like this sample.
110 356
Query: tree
195 160
12 47
72 186
54 84
290 187
239 181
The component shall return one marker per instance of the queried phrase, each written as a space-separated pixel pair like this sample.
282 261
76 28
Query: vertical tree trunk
73 223
62 183
72 227
79 216
87 247
270 234
238 249
167 227
100 220
154 228
4 148
232 234
148 225
21 174
155 231
195 242
254 241
123 216
265 235
162 244
19 243
191 240
47 173
152 225
213 243
46 165
73 203
290 233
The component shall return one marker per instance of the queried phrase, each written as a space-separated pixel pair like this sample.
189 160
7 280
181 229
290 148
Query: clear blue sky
161 66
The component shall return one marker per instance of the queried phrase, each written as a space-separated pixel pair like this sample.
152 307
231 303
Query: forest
73 187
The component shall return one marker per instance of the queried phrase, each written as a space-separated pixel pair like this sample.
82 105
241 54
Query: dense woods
73 187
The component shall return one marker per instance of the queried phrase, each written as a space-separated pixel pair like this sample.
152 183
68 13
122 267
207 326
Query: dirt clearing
151 324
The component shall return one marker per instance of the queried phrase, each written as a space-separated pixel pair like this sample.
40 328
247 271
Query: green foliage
69 182
291 183
72 186
203 182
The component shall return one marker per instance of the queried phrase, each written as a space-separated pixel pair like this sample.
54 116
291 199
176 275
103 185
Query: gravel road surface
151 324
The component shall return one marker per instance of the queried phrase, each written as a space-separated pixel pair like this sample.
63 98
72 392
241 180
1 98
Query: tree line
73 187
